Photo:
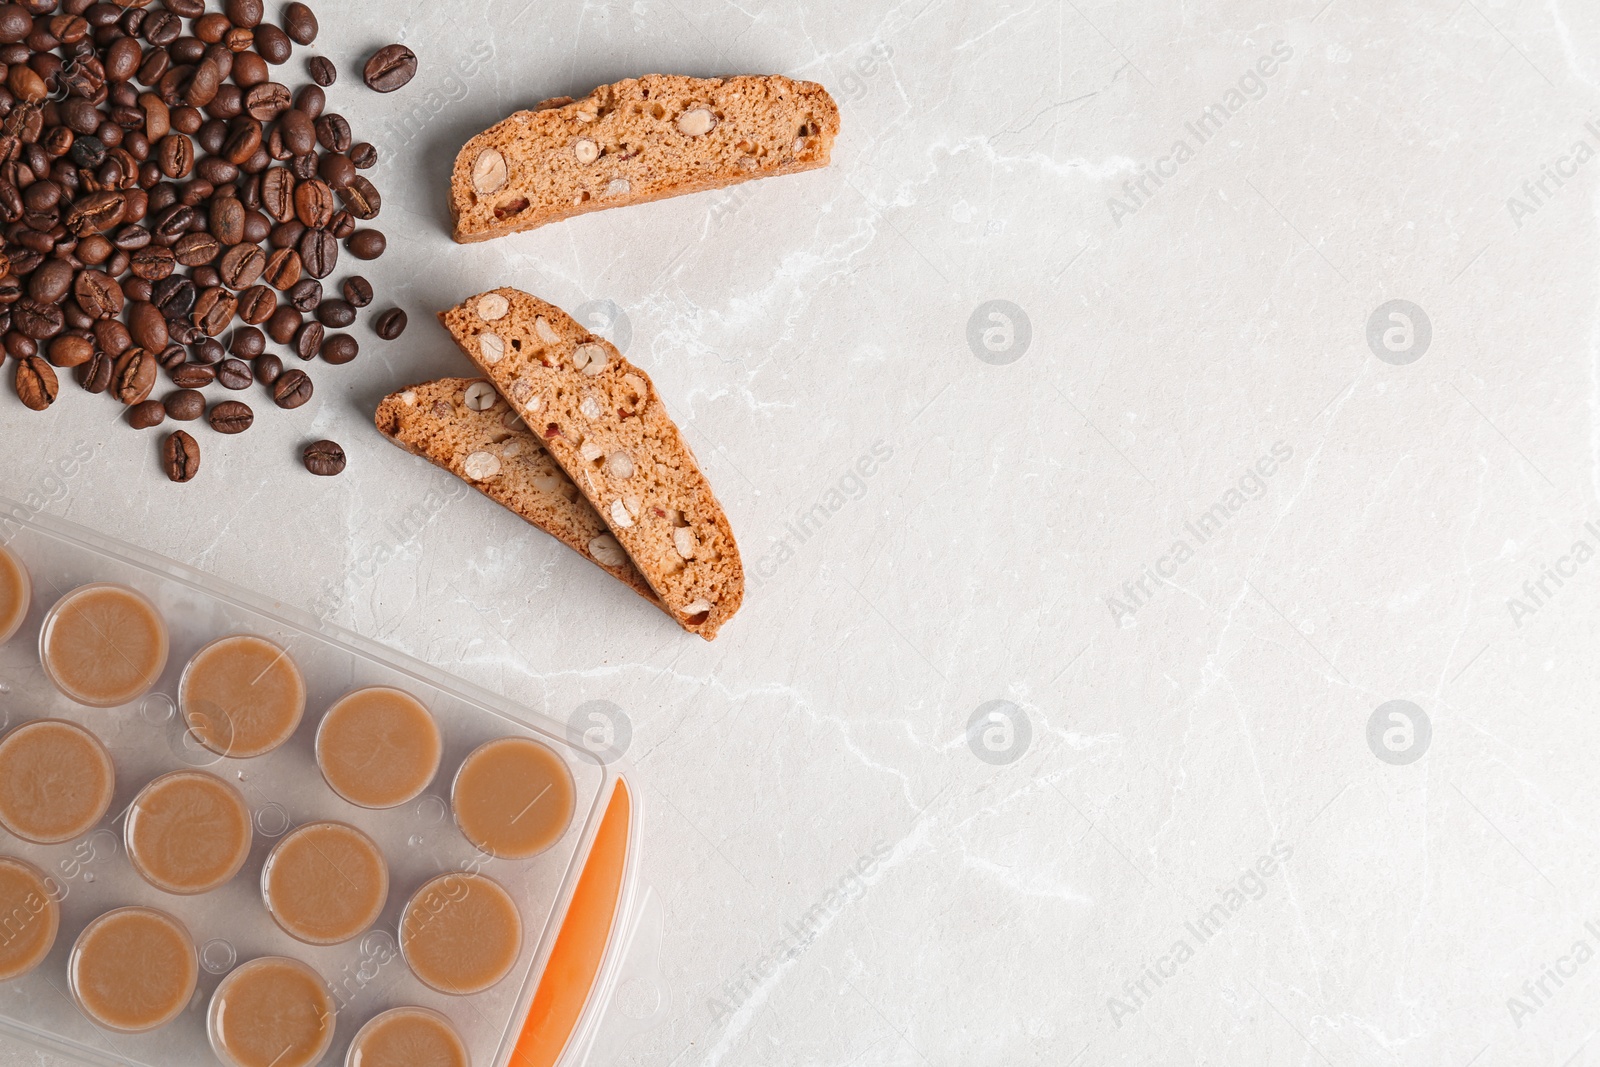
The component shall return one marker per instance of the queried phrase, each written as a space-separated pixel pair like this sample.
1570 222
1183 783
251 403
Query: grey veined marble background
1164 450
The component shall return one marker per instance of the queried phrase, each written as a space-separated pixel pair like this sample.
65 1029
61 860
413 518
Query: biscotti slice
463 425
601 419
637 140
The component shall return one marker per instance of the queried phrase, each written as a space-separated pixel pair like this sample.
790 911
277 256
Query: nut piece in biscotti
637 140
601 419
463 425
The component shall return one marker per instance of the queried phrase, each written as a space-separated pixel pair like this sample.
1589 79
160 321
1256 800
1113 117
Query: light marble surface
845 881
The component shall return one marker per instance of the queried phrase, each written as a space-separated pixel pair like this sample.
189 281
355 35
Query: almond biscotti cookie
601 419
463 426
637 140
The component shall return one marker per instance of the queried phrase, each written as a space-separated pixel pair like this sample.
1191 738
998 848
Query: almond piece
696 121
586 151
605 549
618 187
492 347
590 358
683 541
489 173
481 396
542 328
481 465
590 408
619 466
619 515
492 307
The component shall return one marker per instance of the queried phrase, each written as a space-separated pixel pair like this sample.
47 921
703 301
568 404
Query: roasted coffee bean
336 313
144 415
308 341
226 220
340 348
267 101
245 14
249 70
241 266
336 170
70 350
357 290
256 227
391 67
304 168
152 264
273 44
333 132
306 294
19 347
390 324
257 303
111 337
367 244
96 213
38 321
213 310
322 70
197 249
174 296
313 203
361 198
284 324
36 383
234 374
319 252
51 282
185 405
209 350
95 375
172 355
311 99
147 326
244 137
268 368
283 269
246 342
134 376
277 193
230 417
175 154
192 375
299 23
324 458
342 225
292 389
180 456
364 155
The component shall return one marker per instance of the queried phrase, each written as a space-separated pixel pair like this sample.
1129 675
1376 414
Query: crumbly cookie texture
634 141
600 418
464 426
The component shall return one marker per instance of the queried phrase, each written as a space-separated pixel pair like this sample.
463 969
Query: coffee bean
197 249
36 383
174 296
389 68
283 269
175 155
357 290
336 313
185 405
257 303
306 294
300 23
95 375
273 44
364 155
268 369
342 225
333 132
246 14
246 342
39 321
225 220
134 376
277 193
98 294
230 417
367 244
210 352
146 326
241 266
192 375
340 348
51 282
70 350
361 198
308 341
147 414
213 310
292 389
234 374
180 456
256 227
313 203
284 324
298 132
150 264
390 324
324 458
268 100
171 356
322 70
319 252
311 99
336 170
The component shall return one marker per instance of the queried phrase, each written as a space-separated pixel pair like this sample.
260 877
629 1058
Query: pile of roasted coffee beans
169 205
